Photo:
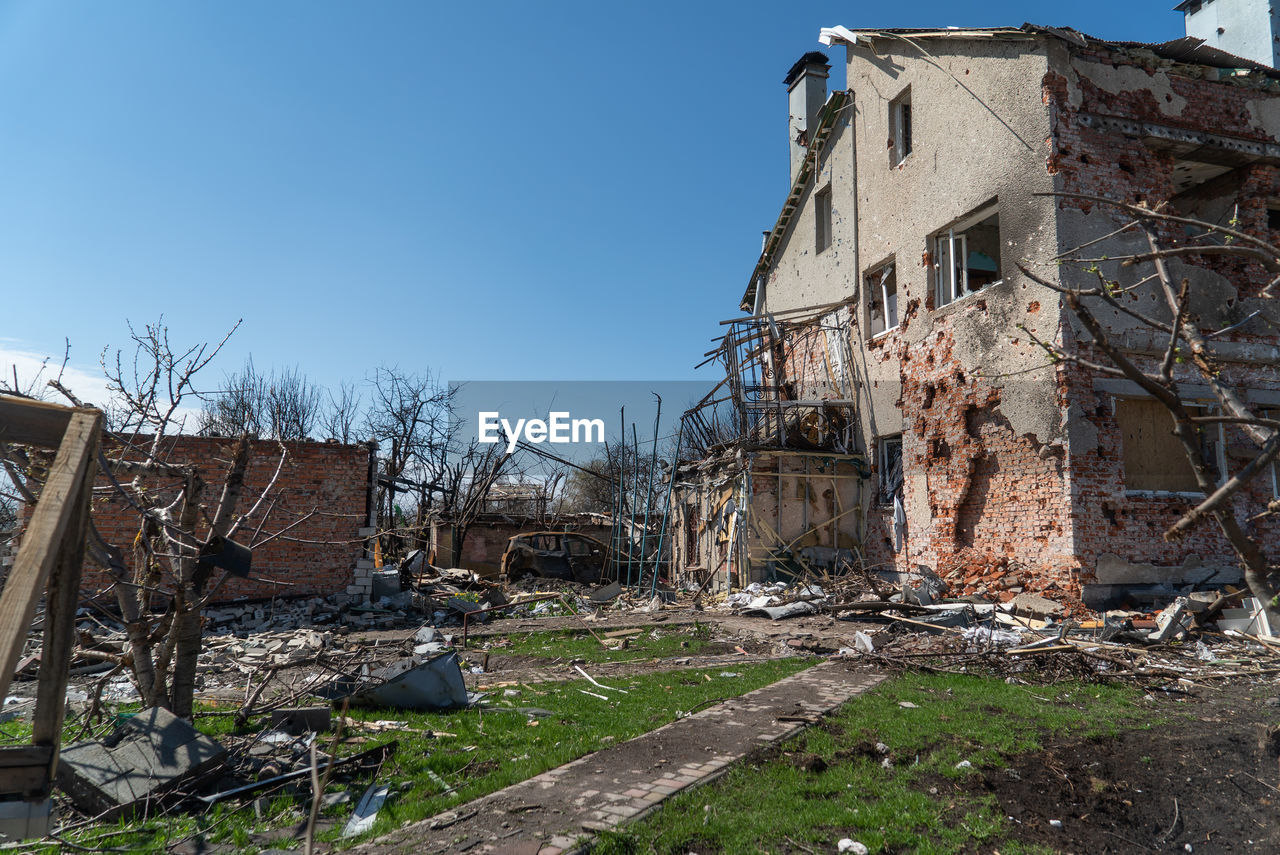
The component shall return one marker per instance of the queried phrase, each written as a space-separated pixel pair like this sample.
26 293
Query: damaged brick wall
996 500
323 488
1119 533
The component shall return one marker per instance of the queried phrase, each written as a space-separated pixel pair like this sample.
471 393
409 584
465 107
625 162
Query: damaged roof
1188 50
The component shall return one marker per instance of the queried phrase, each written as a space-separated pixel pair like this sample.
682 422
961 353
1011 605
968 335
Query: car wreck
555 555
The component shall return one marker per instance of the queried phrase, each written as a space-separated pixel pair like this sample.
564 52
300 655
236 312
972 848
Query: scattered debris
299 720
409 684
150 754
366 812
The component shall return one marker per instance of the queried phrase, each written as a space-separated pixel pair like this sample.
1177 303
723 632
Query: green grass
487 750
576 644
981 720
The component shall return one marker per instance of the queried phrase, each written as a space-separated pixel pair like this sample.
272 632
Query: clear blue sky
545 190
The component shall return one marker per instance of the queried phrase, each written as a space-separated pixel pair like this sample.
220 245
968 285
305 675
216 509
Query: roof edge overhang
836 102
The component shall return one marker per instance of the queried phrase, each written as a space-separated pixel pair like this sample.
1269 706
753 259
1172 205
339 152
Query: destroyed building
489 533
883 393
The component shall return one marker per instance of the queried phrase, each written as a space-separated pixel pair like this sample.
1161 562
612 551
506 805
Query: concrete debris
151 753
1033 605
299 720
22 820
1173 622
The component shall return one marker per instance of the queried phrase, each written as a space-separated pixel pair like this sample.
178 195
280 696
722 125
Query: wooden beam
24 769
61 599
44 537
27 422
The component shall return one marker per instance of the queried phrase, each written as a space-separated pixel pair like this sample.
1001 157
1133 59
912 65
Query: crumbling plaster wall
793 501
1118 535
974 399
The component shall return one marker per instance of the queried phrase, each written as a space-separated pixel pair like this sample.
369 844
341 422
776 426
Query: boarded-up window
1154 458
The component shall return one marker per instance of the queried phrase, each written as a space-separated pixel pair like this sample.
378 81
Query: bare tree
1190 353
340 418
179 513
278 405
407 415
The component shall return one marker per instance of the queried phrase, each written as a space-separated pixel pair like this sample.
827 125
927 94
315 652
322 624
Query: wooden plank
28 422
24 769
43 538
24 755
61 599
25 780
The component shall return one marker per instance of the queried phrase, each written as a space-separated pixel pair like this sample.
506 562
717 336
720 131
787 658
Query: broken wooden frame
789 381
48 563
758 539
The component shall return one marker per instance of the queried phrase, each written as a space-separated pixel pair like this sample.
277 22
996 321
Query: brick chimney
806 93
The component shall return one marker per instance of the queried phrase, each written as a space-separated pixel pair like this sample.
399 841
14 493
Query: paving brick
570 797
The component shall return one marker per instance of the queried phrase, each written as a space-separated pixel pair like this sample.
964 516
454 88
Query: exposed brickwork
1104 517
317 556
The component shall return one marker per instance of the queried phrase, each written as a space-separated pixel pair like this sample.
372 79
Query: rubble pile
1203 635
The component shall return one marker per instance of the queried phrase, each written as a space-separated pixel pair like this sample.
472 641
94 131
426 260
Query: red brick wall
996 500
1089 160
327 481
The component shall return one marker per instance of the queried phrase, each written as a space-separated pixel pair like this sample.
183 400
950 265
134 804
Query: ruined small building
889 396
487 535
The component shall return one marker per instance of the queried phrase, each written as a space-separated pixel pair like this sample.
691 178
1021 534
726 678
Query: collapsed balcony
779 489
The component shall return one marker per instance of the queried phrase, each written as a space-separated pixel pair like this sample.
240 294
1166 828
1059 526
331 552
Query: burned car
555 555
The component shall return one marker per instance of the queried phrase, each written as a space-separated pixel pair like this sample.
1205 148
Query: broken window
967 256
882 299
900 128
1273 217
822 218
889 454
1154 459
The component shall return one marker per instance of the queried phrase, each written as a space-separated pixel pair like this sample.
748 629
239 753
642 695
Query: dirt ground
1206 781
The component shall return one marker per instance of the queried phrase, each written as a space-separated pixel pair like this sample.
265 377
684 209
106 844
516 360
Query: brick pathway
553 812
